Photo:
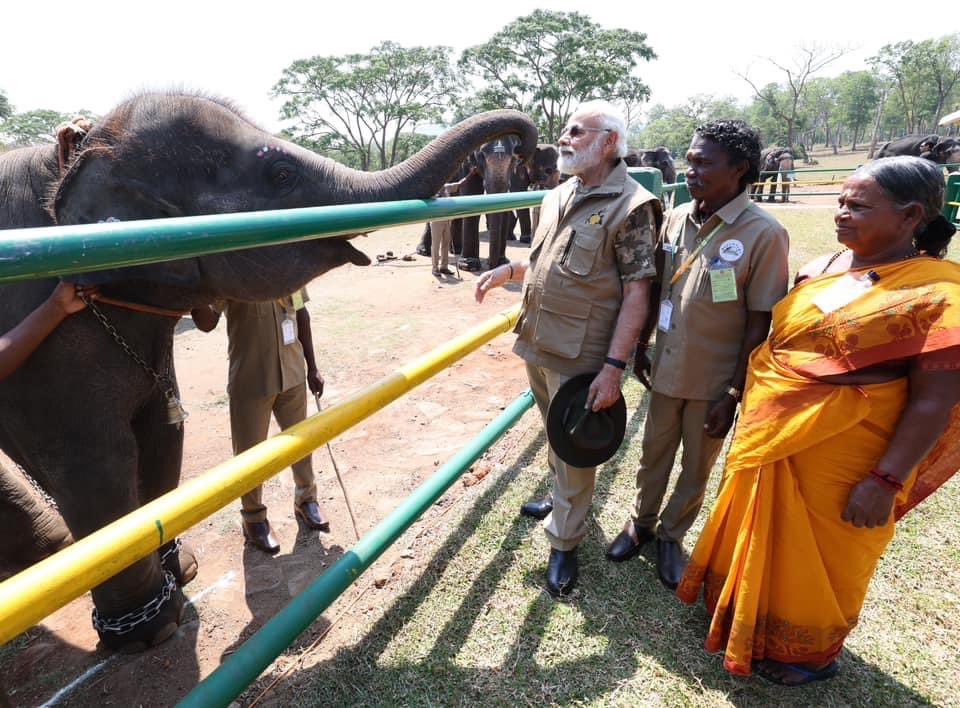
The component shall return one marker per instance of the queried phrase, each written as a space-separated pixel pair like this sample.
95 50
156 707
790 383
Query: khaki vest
572 291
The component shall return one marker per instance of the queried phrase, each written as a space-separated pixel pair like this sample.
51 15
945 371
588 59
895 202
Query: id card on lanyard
666 306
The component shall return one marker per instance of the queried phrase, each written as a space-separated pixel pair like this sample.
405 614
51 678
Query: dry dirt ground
366 322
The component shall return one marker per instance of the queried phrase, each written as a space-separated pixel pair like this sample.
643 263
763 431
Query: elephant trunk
424 174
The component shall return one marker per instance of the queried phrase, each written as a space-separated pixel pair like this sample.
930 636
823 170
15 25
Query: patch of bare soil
366 323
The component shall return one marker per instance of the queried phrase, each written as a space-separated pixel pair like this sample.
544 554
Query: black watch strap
622 365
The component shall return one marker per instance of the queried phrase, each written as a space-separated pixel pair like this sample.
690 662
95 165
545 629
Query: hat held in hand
579 436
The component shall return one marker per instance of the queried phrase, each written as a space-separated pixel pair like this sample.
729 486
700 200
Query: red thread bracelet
887 479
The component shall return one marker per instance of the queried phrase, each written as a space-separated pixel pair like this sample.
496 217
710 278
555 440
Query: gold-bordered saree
783 576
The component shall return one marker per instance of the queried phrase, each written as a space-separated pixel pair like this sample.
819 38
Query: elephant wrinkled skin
81 416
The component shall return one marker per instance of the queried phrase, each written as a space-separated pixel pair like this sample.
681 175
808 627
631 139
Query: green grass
475 627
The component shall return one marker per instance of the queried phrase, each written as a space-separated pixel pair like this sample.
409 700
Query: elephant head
541 169
497 161
660 158
165 155
947 152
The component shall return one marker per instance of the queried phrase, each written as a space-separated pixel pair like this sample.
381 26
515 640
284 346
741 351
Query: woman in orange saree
850 418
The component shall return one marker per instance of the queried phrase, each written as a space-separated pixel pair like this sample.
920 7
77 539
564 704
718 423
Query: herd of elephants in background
163 155
495 169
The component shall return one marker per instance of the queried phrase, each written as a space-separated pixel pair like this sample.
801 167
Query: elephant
540 173
945 151
495 161
88 421
774 160
659 157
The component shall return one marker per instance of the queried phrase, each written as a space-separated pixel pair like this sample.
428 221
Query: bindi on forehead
267 149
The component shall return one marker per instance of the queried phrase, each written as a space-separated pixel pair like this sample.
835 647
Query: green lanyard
694 254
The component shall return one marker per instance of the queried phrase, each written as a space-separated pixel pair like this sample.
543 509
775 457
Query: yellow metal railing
31 595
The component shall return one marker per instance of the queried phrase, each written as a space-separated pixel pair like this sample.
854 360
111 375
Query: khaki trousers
670 421
440 232
572 486
249 423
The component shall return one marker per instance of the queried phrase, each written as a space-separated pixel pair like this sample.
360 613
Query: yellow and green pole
31 595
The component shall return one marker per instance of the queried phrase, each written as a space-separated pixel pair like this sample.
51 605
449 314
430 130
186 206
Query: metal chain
162 380
175 548
126 623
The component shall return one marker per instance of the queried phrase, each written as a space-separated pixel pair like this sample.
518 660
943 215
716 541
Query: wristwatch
734 392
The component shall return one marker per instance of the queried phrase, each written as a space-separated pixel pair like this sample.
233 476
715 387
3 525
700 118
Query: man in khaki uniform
268 345
585 295
722 266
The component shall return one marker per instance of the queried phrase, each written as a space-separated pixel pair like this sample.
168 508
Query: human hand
720 417
491 279
642 365
869 504
68 297
315 382
604 389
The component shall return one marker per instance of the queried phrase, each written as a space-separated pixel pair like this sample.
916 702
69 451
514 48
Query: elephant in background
774 161
100 441
944 151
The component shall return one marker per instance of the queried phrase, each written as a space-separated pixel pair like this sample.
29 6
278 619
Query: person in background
269 343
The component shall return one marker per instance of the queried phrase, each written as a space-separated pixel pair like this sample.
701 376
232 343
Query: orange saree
783 576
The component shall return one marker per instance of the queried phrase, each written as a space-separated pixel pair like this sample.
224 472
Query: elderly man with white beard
586 292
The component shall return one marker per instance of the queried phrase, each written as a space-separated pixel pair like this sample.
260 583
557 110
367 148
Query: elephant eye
283 174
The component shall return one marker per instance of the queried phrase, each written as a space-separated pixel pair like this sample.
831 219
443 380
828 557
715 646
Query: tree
361 104
547 62
673 127
922 74
819 106
32 127
858 93
785 104
6 110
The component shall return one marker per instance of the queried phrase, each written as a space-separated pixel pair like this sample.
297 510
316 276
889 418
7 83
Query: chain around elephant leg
145 626
178 558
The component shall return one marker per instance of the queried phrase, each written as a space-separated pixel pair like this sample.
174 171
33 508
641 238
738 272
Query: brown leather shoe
312 515
258 533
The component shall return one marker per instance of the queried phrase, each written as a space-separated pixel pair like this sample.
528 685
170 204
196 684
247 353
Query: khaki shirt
588 242
261 364
697 357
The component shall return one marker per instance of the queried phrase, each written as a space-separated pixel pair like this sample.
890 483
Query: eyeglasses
575 131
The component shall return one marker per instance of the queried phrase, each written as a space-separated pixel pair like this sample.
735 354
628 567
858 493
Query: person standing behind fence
722 267
440 230
585 294
268 344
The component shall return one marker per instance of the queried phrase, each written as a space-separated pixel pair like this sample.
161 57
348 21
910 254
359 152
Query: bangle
887 479
510 266
622 365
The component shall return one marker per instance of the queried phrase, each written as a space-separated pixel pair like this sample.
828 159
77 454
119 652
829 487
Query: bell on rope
175 413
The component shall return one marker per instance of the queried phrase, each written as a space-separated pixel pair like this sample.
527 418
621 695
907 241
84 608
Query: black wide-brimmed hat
579 436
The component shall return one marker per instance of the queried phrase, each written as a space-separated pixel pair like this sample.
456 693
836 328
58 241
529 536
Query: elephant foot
470 264
148 625
502 261
525 238
423 250
179 559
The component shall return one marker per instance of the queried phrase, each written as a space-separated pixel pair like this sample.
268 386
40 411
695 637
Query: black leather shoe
670 562
626 545
312 515
538 508
561 572
258 533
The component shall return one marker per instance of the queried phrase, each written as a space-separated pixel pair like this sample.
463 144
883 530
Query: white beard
577 162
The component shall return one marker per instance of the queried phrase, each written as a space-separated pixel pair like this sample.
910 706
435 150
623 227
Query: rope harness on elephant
128 622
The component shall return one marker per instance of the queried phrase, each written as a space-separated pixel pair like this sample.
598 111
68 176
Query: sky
67 56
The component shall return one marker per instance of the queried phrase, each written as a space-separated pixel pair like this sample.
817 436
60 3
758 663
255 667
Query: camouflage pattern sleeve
635 245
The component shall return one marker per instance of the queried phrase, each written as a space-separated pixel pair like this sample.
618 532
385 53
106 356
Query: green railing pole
58 250
257 653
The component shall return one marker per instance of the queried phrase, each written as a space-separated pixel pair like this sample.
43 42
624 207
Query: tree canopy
357 106
548 62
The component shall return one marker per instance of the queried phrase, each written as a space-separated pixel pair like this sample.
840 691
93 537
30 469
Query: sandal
773 671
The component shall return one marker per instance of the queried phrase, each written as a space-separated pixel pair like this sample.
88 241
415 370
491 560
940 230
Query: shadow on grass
620 638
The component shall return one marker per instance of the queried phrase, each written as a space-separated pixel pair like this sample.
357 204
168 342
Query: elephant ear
94 189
